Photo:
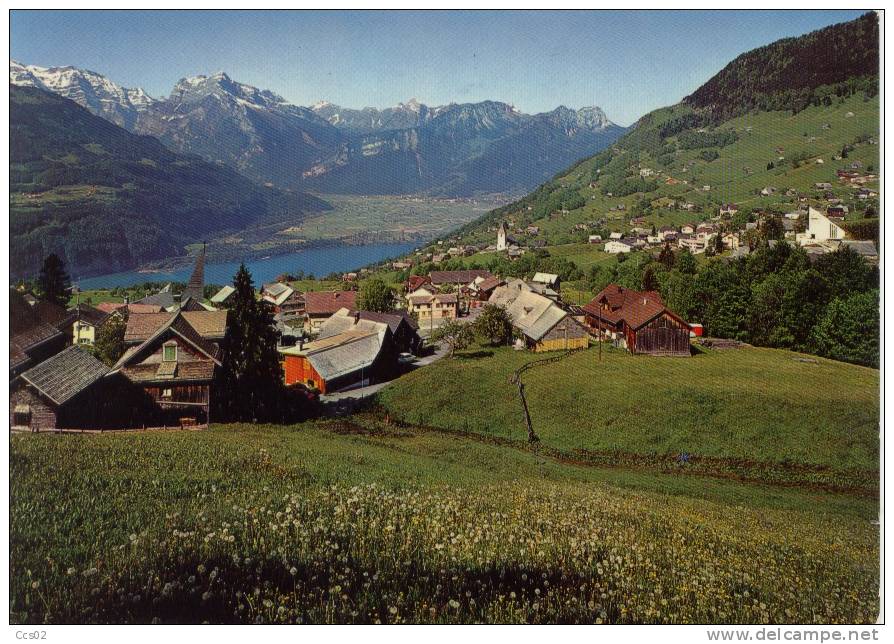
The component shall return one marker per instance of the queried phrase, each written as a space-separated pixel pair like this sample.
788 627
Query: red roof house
638 321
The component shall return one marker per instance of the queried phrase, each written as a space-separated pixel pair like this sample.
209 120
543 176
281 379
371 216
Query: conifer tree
251 385
53 283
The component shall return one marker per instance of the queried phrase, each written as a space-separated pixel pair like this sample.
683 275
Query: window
167 393
21 415
170 352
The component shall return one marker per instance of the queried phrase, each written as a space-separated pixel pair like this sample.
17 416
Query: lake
319 261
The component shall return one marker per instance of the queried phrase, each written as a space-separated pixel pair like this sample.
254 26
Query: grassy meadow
363 522
757 413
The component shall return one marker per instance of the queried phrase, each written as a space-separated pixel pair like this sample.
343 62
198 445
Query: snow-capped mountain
89 89
453 149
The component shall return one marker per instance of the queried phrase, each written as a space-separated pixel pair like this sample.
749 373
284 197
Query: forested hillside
104 199
796 72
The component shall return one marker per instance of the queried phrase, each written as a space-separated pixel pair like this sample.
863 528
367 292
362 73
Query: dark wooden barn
58 393
638 321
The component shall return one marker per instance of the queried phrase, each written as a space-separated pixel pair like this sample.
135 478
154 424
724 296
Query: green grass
755 404
361 522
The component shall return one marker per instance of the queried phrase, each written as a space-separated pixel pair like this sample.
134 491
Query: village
329 345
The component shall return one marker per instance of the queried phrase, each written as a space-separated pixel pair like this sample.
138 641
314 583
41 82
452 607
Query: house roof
90 315
490 283
328 302
178 323
545 278
278 292
65 375
415 281
210 325
393 319
444 298
35 336
164 298
865 248
506 294
222 295
133 307
635 308
534 315
457 277
346 320
345 352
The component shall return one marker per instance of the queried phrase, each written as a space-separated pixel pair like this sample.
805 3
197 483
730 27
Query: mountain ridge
105 199
329 148
670 154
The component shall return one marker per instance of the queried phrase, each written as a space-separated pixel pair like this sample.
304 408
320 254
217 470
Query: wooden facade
28 410
174 370
637 321
665 335
299 370
567 335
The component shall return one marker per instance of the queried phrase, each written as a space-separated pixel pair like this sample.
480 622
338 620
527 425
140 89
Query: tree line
774 297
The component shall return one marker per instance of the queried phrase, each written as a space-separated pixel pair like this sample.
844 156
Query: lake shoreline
317 259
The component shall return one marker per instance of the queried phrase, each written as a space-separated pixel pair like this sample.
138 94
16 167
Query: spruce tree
53 284
250 387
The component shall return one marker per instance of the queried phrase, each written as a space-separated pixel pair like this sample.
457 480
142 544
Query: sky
627 62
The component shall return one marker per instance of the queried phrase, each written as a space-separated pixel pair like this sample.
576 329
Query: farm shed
638 321
54 393
361 355
544 325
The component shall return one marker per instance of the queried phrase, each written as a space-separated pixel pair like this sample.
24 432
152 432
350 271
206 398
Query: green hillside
361 522
706 141
591 191
768 407
104 199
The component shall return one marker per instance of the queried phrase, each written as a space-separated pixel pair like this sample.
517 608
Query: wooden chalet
638 321
544 325
172 358
287 303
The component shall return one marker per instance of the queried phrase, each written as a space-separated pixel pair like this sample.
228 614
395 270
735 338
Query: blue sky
628 63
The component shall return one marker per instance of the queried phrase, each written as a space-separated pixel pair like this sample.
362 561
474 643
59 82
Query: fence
515 379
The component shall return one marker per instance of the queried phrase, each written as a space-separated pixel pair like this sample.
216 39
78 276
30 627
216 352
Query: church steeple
501 236
195 289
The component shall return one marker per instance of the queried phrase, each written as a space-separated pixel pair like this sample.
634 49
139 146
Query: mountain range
104 199
449 150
